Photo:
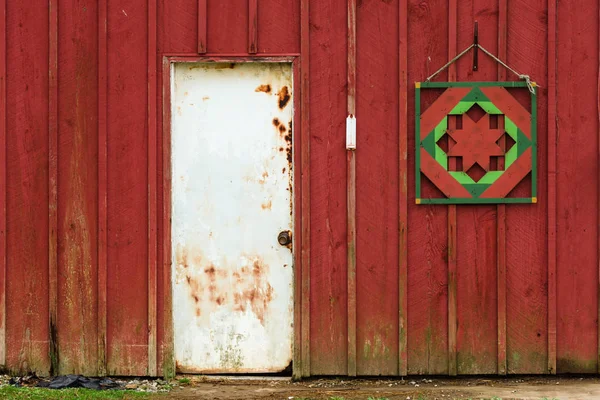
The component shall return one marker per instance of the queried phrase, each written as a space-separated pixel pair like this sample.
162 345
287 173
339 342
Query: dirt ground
228 388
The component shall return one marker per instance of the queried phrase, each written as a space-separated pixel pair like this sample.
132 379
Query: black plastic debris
78 381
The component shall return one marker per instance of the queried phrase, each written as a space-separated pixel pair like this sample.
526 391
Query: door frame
300 207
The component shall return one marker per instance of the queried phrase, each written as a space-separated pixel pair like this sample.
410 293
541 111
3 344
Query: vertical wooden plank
52 182
152 189
2 183
102 184
328 218
403 186
476 274
501 208
305 368
452 234
527 230
576 185
27 186
279 28
202 25
351 193
127 277
552 193
377 212
227 26
252 26
169 351
427 319
77 332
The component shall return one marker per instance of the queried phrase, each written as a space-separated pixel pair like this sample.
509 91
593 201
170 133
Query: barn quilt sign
476 142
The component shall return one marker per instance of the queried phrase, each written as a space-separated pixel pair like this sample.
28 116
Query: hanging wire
524 77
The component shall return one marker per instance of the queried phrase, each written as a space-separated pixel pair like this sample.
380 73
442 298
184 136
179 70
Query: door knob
284 238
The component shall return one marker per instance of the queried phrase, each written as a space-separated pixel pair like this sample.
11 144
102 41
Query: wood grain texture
476 274
102 186
526 243
501 208
252 26
577 166
306 188
427 241
202 25
452 215
27 187
552 194
403 188
127 142
351 191
328 269
77 202
152 188
3 184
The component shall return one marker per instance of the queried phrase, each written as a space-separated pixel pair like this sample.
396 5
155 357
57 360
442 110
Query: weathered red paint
77 200
152 188
3 184
202 21
252 26
501 208
552 198
403 187
102 185
452 213
84 190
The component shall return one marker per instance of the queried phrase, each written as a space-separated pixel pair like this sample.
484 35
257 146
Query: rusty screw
284 238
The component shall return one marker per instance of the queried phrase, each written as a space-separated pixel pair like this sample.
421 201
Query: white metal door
231 206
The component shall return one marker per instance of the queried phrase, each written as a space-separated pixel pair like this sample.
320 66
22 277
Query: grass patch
11 392
184 381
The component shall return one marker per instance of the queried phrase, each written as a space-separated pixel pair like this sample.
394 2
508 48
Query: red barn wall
476 289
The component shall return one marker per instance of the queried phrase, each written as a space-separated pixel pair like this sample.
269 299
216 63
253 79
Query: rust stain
263 178
282 129
283 170
276 122
237 287
264 88
267 205
284 97
205 98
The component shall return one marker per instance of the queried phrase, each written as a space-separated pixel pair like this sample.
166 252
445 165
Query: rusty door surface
232 216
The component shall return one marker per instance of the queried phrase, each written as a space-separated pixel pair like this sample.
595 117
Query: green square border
505 200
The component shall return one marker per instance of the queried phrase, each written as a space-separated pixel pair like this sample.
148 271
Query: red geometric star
475 142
